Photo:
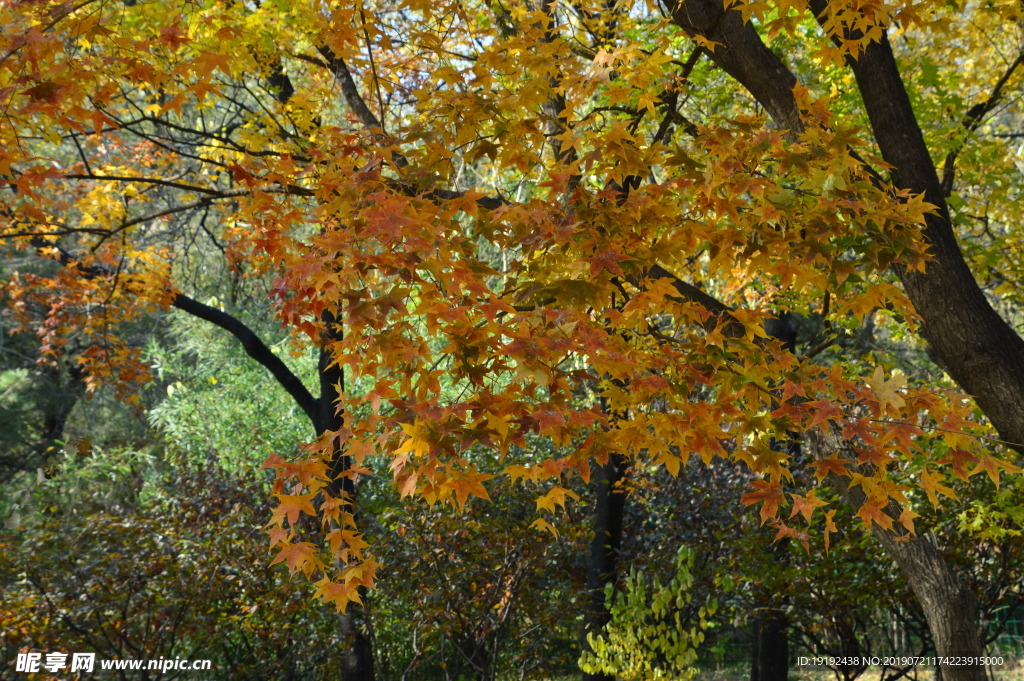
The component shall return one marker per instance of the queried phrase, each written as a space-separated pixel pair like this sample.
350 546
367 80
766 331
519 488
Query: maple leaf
709 45
871 512
173 36
518 472
359 449
824 411
361 574
609 260
548 419
202 88
350 539
769 494
932 484
786 532
885 391
959 458
407 485
991 465
211 60
670 461
291 505
907 519
273 461
555 497
805 505
278 535
830 527
825 466
544 526
299 556
467 483
339 593
47 91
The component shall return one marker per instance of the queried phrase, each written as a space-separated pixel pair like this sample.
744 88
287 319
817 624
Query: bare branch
973 120
255 348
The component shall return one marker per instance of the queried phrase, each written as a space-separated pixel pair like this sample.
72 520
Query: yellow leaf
932 483
885 391
555 497
544 525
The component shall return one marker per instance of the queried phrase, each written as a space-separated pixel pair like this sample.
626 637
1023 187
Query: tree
575 213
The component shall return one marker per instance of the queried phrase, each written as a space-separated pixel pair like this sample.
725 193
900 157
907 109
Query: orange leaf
871 512
770 496
291 505
805 505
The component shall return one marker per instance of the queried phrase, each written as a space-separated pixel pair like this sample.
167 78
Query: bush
177 569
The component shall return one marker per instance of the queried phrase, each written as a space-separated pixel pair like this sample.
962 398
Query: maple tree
569 220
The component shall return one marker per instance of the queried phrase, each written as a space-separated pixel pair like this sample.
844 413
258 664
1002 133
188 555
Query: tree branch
973 120
349 89
292 189
982 353
256 349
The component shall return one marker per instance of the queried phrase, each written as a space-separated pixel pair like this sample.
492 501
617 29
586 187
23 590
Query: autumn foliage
501 223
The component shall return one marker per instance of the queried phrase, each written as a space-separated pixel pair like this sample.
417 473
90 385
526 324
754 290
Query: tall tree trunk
602 569
978 349
769 658
357 651
949 606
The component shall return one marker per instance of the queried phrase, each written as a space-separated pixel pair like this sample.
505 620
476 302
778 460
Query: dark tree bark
769 654
971 342
602 569
357 652
949 605
770 651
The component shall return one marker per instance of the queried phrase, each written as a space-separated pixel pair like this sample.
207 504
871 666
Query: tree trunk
949 606
982 353
609 508
769 659
770 653
978 349
971 341
357 650
357 653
